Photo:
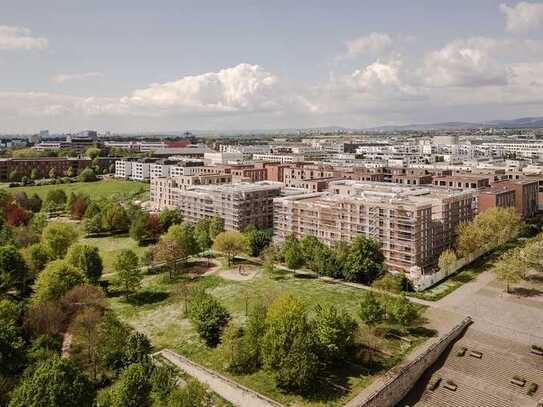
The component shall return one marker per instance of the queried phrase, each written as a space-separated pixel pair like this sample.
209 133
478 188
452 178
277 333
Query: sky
165 65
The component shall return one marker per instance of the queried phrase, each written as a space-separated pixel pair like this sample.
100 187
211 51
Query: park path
226 388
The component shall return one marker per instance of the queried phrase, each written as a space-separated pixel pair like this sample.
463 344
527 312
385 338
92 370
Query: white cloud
243 87
523 17
465 63
12 38
62 78
373 42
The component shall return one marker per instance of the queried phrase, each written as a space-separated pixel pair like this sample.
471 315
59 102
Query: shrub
209 316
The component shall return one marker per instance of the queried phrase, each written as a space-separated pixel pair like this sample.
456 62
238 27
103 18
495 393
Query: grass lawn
96 190
109 246
158 311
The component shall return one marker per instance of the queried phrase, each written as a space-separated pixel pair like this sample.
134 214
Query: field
96 190
158 311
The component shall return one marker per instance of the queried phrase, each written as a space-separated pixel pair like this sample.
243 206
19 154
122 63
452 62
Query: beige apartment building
239 204
164 191
414 224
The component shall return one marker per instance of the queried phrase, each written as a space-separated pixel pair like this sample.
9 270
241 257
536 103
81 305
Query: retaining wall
400 380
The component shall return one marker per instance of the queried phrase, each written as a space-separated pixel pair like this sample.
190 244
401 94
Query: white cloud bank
64 77
20 38
523 17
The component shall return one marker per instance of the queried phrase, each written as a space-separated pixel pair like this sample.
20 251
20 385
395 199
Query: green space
158 310
110 246
96 190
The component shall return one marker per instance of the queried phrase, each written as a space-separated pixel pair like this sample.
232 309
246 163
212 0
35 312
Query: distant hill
524 122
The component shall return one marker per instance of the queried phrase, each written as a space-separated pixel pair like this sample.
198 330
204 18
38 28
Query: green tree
14 176
113 343
54 382
36 257
128 275
55 200
289 345
87 175
138 228
403 311
34 175
334 330
14 274
132 389
11 340
169 217
216 226
87 259
292 253
268 260
137 349
202 235
231 243
509 269
169 252
92 152
209 317
372 313
55 281
194 394
70 172
39 222
114 219
365 263
447 261
257 239
57 238
255 329
35 203
232 351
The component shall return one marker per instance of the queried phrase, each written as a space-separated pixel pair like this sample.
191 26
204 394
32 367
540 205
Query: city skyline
249 65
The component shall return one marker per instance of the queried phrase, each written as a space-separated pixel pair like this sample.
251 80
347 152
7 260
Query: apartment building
463 181
165 191
526 195
495 197
414 224
240 204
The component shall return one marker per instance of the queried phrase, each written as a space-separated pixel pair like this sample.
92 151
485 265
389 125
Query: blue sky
175 65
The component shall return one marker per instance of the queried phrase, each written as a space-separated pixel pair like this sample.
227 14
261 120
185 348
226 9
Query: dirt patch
242 273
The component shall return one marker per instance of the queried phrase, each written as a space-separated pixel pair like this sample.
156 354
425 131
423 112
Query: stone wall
399 380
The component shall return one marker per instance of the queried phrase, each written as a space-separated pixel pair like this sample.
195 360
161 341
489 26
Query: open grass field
109 246
158 311
96 190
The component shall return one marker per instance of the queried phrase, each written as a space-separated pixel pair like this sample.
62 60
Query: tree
509 269
232 350
56 280
289 345
216 226
92 152
39 222
87 259
447 261
128 275
15 215
184 235
113 343
365 262
82 297
87 175
34 203
114 219
202 234
194 394
132 388
371 312
292 253
86 334
334 330
209 317
257 240
389 284
137 349
14 274
311 246
70 172
57 238
169 252
55 200
14 176
169 217
54 382
45 319
53 173
11 339
34 174
230 243
403 311
268 260
36 257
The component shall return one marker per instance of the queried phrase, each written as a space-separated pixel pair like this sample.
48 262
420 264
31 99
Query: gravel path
226 388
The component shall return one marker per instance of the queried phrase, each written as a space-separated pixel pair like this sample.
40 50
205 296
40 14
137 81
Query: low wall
425 281
401 379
